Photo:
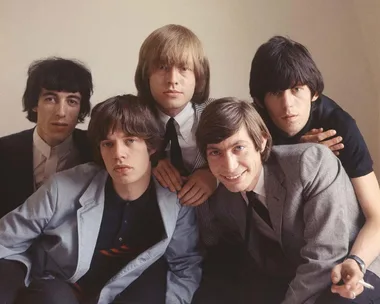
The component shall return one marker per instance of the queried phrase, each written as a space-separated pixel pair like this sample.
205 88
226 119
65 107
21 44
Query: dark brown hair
126 113
282 64
57 74
224 117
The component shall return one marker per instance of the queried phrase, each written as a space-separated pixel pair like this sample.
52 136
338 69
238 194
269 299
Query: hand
198 188
350 273
318 136
167 175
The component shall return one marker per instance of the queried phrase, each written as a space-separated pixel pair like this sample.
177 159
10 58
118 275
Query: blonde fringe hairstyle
172 45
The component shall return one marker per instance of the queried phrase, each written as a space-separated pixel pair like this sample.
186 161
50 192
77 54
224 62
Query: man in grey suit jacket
105 232
293 208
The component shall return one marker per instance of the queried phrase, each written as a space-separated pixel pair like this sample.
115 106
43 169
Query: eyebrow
51 93
238 142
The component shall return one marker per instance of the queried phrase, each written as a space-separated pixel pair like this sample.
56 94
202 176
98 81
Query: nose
172 75
119 151
287 99
61 108
230 162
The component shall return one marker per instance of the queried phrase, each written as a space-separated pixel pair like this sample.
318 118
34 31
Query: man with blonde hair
173 77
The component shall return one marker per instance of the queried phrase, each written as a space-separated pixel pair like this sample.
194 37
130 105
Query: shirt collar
260 186
181 118
46 150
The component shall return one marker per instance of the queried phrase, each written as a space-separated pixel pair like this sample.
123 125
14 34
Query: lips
232 177
122 168
59 124
289 116
172 92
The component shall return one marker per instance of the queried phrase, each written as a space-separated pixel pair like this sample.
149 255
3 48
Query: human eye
162 67
49 98
73 102
297 89
106 144
129 140
213 153
239 148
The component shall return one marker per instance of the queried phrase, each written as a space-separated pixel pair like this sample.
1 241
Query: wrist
359 261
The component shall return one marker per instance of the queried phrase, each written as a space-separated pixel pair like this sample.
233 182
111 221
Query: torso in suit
54 233
313 210
16 166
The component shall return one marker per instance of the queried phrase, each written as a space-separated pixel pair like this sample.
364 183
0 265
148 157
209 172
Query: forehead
176 56
61 94
116 133
241 137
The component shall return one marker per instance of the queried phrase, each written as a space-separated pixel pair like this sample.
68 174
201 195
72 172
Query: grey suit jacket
313 210
54 234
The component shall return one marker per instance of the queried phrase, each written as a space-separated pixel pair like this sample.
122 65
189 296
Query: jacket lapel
89 218
26 162
169 207
275 195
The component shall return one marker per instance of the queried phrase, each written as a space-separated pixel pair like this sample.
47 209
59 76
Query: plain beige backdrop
342 35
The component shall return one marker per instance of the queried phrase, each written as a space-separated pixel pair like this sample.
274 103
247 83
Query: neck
132 191
172 112
51 142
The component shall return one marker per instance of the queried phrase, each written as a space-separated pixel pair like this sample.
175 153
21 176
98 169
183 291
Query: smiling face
126 159
57 115
290 109
235 161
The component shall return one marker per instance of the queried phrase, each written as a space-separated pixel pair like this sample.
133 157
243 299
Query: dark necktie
261 210
175 149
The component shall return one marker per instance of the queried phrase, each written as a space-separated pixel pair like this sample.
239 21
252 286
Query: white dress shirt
185 124
49 160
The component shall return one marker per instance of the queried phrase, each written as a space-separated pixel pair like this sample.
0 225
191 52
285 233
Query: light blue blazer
54 234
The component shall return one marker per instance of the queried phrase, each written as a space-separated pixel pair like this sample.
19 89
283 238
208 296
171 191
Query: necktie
261 210
175 149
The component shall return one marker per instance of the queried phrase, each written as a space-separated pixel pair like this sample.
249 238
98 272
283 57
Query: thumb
336 274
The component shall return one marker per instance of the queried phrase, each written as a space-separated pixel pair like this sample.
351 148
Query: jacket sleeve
184 259
21 226
327 195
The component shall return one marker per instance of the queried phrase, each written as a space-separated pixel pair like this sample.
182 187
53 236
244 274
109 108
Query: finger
186 188
324 135
166 177
333 143
172 173
159 177
176 177
335 274
315 131
186 198
201 200
344 292
192 196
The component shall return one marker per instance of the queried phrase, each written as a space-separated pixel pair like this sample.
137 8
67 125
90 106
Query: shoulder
222 197
19 138
79 132
77 176
80 136
307 157
331 113
200 107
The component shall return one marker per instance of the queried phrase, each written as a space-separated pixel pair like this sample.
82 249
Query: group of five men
171 197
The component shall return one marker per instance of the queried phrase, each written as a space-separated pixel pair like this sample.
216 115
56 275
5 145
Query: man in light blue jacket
104 232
